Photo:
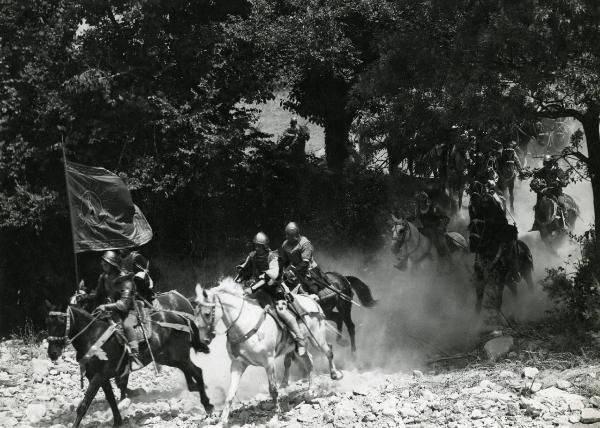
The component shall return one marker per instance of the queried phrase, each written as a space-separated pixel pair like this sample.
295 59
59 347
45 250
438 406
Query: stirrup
300 349
134 361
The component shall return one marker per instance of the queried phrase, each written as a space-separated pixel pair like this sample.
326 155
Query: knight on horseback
136 264
261 271
431 222
299 266
118 290
549 181
499 240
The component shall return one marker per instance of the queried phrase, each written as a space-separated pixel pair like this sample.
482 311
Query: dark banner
103 215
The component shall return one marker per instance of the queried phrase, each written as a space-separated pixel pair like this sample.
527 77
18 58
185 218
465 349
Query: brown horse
103 355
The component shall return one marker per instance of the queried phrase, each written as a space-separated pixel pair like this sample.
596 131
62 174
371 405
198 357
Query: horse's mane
229 286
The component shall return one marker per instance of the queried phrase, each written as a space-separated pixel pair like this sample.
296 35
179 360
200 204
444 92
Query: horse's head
399 227
58 324
206 313
545 210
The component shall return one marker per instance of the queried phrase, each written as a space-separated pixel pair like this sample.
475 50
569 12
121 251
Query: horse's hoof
209 408
342 342
284 384
337 375
118 423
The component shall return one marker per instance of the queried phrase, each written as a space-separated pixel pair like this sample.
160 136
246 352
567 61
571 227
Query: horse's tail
362 290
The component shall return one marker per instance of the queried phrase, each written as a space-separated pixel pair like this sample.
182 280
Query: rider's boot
134 355
291 323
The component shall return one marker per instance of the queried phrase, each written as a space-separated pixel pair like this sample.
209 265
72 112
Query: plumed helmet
261 239
112 258
292 230
547 159
293 120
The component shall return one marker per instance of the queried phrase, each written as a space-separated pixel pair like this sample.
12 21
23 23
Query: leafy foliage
577 293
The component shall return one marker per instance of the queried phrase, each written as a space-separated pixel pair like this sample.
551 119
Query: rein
68 315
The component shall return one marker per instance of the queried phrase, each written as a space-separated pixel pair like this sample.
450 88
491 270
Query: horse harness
96 348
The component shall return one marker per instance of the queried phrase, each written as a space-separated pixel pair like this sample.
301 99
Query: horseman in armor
431 222
139 266
550 181
294 140
500 233
117 290
261 270
554 178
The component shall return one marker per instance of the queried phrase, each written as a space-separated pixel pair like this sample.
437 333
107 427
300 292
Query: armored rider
136 264
119 291
261 270
554 178
432 222
550 181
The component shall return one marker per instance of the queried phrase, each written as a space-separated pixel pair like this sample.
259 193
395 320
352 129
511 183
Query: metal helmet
547 160
421 197
292 230
112 258
261 239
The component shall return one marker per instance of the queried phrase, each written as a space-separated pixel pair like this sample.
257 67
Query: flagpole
70 205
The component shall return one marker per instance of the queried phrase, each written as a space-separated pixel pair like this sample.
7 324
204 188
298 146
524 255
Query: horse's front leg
237 370
272 377
95 382
110 397
511 192
287 362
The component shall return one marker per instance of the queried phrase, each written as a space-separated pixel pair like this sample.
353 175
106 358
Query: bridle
68 314
210 322
403 239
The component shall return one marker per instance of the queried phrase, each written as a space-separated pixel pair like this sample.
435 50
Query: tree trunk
592 136
337 129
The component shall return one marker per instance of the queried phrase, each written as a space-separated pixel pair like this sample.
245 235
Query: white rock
428 395
563 384
590 416
575 418
498 347
405 393
576 406
408 412
556 395
35 412
529 372
477 414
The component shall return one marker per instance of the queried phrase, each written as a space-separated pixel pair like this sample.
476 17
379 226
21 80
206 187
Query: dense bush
575 288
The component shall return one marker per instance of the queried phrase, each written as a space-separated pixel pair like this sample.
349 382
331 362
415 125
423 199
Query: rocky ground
523 388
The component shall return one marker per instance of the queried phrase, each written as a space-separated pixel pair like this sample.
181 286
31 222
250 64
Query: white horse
408 243
254 337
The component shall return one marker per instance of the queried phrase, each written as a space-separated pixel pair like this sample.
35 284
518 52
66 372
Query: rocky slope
38 393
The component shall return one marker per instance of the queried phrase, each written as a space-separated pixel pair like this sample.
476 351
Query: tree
317 50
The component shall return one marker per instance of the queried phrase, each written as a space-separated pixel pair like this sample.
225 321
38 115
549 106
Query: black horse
171 334
336 296
500 258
